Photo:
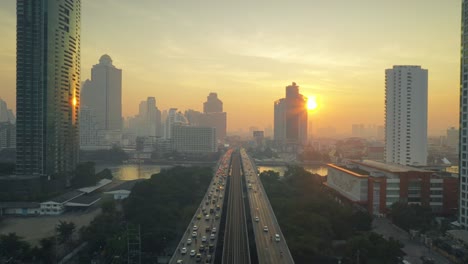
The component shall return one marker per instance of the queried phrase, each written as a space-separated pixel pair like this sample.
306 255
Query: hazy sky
248 51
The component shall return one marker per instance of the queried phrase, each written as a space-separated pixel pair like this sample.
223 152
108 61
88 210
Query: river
129 172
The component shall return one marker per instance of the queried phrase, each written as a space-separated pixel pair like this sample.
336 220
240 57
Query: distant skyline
248 51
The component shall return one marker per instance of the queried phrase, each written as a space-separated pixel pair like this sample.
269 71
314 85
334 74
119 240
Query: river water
129 172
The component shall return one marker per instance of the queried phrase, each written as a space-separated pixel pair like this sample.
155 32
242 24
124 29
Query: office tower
290 117
212 104
463 141
103 94
213 116
191 139
152 118
142 109
452 138
406 115
47 86
173 118
7 135
6 115
88 128
259 137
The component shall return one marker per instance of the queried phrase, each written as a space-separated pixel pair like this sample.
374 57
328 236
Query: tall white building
463 164
406 115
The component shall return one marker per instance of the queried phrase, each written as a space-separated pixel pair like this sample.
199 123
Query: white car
203 239
183 251
180 261
193 252
213 230
189 241
195 228
265 228
257 219
212 236
277 238
194 234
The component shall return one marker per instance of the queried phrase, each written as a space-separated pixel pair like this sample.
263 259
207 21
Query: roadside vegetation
320 230
13 248
162 207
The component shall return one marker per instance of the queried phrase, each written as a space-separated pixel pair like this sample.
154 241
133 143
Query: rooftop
100 184
353 171
85 200
65 197
19 205
388 167
126 185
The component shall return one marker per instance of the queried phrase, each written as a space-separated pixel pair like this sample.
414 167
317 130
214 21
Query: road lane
216 188
268 249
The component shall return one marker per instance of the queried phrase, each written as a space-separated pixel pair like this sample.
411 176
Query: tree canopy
312 221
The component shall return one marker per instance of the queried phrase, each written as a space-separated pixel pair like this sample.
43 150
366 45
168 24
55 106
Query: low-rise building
378 185
19 208
121 191
56 205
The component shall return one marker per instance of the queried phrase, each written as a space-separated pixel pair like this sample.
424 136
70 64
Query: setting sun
311 103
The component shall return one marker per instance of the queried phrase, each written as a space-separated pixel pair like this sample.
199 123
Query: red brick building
378 185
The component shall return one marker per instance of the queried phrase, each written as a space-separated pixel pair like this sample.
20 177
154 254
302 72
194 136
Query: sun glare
311 103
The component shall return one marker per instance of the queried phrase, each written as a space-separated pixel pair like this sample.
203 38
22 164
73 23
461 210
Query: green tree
411 216
45 253
13 248
373 248
104 174
65 230
84 175
108 207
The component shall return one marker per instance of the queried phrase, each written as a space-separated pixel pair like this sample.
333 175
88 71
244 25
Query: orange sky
248 51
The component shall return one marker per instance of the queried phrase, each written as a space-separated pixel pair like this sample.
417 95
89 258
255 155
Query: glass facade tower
47 86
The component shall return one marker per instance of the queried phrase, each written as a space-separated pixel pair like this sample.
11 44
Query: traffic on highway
270 242
198 244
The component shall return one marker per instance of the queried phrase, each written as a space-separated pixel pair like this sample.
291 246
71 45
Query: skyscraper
173 118
213 116
463 142
103 94
406 115
213 104
290 117
153 118
6 115
47 86
452 138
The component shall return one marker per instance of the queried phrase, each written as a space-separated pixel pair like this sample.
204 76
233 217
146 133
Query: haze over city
248 52
234 132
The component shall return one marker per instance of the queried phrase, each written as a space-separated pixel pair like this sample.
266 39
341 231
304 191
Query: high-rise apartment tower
47 86
406 115
463 142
